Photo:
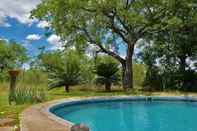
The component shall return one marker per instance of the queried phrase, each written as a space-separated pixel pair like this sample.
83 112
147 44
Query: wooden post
13 75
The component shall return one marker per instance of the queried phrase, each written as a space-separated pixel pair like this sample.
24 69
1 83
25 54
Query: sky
16 25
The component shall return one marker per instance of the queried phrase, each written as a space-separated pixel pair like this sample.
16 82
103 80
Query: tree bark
183 63
12 89
108 87
127 69
67 88
182 69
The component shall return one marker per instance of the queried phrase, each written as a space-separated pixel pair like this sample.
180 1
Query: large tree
12 55
103 23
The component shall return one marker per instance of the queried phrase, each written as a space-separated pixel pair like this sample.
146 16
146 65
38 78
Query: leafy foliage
139 74
107 73
87 67
12 55
172 48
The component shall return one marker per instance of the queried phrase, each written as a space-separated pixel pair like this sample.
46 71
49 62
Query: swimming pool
132 114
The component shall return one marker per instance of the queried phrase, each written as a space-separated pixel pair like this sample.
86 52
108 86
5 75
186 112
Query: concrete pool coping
40 118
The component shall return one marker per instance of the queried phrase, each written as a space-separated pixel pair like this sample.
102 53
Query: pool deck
38 117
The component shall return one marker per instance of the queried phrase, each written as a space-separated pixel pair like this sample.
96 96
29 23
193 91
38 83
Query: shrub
67 73
107 74
139 74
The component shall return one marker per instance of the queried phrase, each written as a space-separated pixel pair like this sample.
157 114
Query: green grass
6 110
80 92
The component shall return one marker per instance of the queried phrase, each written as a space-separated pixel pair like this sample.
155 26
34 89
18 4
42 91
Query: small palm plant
66 75
107 74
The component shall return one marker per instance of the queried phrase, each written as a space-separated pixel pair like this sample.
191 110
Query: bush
139 74
107 72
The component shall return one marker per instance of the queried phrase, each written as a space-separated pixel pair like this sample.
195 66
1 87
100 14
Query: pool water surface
132 115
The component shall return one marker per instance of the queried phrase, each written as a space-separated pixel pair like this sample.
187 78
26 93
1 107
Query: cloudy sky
16 25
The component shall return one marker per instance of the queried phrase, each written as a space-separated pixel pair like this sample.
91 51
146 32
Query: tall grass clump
30 94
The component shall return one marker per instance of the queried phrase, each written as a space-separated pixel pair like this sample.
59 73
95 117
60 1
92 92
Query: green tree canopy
103 23
12 55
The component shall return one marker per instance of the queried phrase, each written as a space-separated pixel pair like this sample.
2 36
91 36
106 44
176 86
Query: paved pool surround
41 117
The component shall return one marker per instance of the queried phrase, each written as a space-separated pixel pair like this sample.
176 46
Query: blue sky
22 33
16 25
30 35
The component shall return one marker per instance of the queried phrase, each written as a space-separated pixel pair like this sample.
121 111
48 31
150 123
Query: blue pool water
133 115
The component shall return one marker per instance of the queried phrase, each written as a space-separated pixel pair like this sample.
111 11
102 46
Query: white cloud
55 41
191 63
123 55
4 39
91 49
43 24
3 22
26 66
33 37
18 9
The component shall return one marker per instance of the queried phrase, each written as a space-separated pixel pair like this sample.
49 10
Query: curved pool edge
71 102
45 109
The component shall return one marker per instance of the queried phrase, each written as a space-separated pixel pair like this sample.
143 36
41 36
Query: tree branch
113 26
102 48
128 3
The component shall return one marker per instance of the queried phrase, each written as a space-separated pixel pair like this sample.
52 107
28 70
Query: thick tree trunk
67 88
127 75
183 64
182 69
108 87
127 69
12 89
